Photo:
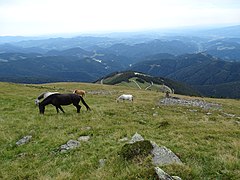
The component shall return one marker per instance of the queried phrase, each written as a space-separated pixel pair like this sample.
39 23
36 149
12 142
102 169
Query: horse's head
37 102
41 109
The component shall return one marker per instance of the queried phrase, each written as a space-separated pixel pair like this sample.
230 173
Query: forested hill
207 74
147 82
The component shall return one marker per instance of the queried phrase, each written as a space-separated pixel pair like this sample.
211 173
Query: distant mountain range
207 60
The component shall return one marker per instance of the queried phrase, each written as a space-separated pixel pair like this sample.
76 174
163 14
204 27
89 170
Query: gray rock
123 139
24 140
162 175
102 162
86 128
71 144
229 115
84 138
136 137
163 155
176 178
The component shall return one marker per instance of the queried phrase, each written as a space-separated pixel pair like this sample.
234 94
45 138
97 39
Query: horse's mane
47 99
41 96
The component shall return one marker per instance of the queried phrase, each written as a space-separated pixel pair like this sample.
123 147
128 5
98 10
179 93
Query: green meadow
206 141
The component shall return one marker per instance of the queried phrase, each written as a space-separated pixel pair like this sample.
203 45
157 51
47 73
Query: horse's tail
84 103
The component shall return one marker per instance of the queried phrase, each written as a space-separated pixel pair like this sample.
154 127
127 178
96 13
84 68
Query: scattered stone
102 162
86 128
84 138
176 178
24 140
192 110
22 155
193 102
237 122
208 113
123 139
163 156
229 115
102 92
136 137
71 144
162 175
155 114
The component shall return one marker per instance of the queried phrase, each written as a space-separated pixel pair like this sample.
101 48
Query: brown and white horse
43 96
62 99
80 92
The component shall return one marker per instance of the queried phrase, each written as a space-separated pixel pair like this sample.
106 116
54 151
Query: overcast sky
40 17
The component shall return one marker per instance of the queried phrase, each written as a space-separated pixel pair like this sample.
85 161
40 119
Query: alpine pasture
206 140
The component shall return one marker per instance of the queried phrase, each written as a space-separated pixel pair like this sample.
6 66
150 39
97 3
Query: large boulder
163 156
138 148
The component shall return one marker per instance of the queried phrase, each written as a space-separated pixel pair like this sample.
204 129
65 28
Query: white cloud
56 16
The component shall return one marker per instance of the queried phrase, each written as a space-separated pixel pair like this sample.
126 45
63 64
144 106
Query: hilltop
147 82
205 139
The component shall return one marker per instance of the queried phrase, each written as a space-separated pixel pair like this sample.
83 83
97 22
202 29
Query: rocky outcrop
138 147
161 155
189 102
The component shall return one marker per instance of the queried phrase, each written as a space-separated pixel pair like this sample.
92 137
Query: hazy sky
39 17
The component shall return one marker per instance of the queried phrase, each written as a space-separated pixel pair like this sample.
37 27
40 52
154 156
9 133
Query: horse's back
79 92
125 97
65 99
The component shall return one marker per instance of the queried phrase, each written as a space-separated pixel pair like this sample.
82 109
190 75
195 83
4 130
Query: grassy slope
207 144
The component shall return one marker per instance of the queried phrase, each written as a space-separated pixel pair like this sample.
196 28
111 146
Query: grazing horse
62 99
125 97
80 92
44 95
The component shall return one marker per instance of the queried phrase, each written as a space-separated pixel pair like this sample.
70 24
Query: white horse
43 96
125 97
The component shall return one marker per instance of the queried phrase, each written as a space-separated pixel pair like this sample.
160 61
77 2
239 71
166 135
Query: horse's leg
78 108
61 108
57 109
